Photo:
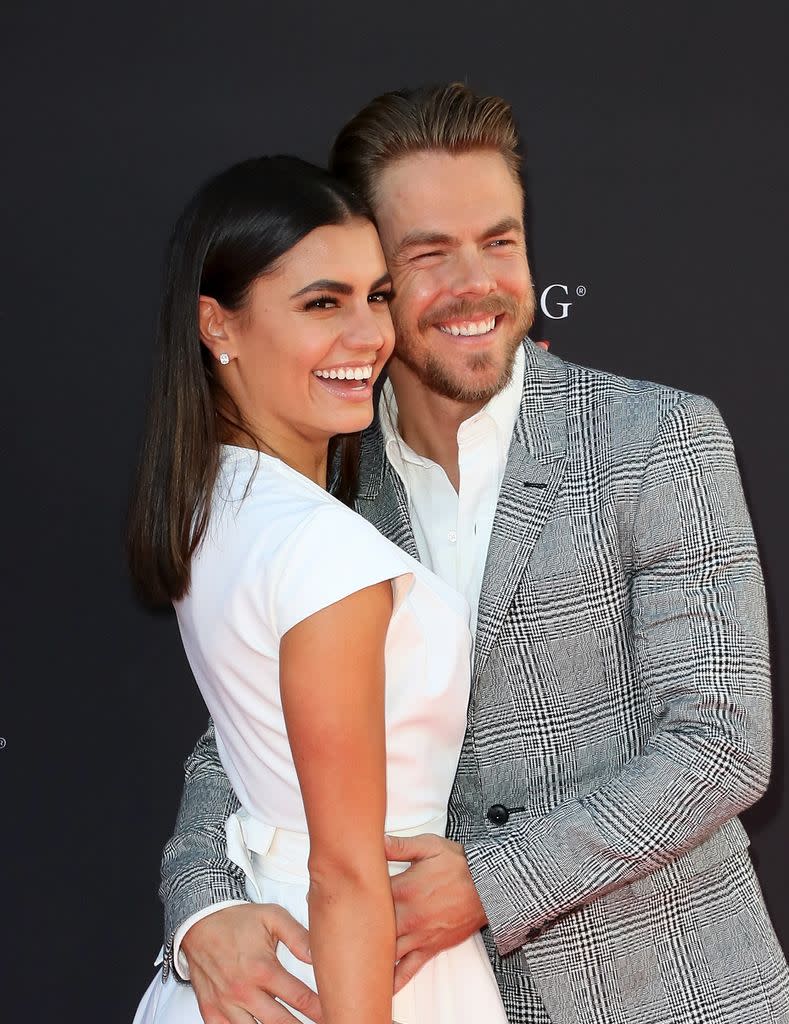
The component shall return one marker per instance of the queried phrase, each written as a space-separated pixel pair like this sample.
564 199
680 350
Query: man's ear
213 322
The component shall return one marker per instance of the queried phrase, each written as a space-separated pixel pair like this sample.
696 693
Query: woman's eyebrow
325 285
339 287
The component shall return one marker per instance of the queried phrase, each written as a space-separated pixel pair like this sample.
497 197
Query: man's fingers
269 1011
236 1008
287 929
211 1014
405 945
399 848
408 967
234 1015
294 992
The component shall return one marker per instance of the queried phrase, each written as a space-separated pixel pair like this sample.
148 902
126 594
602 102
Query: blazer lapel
534 472
382 499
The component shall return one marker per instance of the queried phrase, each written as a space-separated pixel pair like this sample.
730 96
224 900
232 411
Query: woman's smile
350 382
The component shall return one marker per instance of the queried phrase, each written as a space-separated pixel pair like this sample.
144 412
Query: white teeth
470 330
346 373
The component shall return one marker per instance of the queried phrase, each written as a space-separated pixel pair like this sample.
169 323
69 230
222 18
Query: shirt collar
499 414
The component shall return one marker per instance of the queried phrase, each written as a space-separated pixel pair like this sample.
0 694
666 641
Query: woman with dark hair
334 665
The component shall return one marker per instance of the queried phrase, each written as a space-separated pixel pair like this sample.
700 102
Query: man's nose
471 276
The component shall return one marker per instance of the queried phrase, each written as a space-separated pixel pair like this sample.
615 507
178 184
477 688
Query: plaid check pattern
620 709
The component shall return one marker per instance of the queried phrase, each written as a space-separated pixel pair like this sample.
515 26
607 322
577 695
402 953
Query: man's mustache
465 309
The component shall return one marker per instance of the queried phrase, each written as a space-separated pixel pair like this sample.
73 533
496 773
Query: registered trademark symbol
580 291
2 742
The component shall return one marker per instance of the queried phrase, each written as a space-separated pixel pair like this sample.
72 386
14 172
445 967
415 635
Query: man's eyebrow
324 285
419 238
424 238
505 225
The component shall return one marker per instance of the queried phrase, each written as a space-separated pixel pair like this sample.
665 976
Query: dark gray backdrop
656 172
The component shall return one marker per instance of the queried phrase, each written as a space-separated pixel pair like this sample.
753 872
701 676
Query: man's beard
464 385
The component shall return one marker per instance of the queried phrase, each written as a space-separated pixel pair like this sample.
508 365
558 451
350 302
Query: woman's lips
347 390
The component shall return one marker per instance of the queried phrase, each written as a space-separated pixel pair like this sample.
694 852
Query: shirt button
498 814
452 536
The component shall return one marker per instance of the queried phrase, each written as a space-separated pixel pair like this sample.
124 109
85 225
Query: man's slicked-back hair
449 118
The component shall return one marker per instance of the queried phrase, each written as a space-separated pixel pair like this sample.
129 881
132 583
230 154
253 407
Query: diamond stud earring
224 359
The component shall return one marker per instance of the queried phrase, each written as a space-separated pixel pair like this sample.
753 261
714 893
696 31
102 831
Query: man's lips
470 329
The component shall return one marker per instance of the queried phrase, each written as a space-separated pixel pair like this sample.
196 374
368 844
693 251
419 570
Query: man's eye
501 242
323 302
427 255
380 297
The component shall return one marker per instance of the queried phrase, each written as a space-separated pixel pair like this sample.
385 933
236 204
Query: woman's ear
213 334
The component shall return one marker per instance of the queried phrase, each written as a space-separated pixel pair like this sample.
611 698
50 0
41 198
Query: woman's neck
306 457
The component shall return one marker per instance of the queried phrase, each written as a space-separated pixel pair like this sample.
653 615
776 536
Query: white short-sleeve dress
278 549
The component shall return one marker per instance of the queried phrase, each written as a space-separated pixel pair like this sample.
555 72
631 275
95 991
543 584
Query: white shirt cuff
179 959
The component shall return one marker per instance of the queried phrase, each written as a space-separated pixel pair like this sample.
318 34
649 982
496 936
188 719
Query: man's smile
469 328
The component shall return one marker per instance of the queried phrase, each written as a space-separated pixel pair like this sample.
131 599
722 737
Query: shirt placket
446 531
473 455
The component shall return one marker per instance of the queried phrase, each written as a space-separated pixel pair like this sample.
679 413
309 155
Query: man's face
452 232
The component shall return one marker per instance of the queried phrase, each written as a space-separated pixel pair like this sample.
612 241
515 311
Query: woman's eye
324 302
380 297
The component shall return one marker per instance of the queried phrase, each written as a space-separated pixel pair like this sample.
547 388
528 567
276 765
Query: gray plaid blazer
618 724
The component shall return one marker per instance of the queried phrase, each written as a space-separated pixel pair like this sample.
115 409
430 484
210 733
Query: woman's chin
348 413
353 420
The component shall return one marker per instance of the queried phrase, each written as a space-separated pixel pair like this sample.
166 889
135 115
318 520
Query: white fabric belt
277 853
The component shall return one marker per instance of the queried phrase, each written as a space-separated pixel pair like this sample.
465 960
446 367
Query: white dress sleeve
331 554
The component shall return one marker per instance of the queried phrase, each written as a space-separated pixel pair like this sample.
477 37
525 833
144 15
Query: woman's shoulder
297 549
282 508
251 484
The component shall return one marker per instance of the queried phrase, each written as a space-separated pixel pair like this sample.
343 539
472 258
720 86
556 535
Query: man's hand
234 968
436 904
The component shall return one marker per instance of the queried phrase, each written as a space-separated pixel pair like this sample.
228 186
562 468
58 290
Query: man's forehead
443 193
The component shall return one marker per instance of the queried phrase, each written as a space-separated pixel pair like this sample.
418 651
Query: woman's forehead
349 250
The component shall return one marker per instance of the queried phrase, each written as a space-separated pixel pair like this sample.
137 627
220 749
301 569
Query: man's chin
479 379
473 375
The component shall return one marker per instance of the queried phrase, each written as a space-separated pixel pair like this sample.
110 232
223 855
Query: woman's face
312 339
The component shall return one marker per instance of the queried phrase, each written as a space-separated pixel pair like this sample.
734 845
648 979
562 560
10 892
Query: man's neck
428 422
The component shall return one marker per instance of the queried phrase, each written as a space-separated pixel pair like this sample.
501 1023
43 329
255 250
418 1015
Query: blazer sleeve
196 872
699 636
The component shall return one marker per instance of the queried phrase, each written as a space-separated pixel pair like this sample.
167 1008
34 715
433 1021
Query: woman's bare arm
332 685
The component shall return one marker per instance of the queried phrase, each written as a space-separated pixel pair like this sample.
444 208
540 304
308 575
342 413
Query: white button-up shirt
452 528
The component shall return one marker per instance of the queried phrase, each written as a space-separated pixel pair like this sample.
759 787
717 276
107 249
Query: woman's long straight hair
237 227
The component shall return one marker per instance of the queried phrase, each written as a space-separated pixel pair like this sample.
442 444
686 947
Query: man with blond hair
620 712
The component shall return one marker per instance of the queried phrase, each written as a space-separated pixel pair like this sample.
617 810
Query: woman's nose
369 329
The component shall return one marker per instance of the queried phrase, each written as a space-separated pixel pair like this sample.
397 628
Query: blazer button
498 814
